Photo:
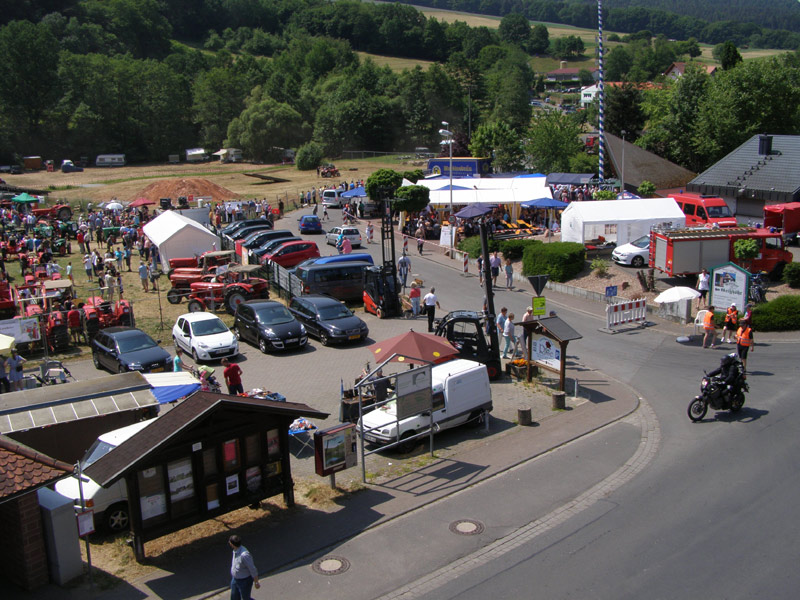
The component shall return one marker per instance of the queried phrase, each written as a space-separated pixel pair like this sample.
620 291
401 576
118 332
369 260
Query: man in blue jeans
243 570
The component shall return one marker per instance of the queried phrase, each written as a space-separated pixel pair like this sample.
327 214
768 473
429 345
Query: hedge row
780 314
508 248
560 260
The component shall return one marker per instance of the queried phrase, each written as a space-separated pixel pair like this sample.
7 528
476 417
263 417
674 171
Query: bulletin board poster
335 449
546 351
22 330
181 484
729 285
153 506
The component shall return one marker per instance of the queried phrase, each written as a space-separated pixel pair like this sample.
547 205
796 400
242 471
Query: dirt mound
173 188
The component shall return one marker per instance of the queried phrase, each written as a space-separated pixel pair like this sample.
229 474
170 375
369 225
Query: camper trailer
110 160
196 155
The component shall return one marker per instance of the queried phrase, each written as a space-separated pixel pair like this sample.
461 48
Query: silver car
351 233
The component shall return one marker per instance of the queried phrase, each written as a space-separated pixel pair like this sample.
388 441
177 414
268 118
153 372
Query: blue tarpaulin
169 387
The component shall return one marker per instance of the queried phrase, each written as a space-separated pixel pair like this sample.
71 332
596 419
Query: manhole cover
466 527
331 565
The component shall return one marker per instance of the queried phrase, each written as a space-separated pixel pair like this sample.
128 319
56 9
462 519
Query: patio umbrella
357 192
25 197
544 203
6 343
473 210
113 206
676 294
414 347
141 202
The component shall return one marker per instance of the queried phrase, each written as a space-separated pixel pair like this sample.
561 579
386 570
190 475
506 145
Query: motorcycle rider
730 372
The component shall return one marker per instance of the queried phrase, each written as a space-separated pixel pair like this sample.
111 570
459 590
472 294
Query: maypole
601 151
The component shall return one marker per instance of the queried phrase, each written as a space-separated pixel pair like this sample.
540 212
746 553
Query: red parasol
414 347
140 202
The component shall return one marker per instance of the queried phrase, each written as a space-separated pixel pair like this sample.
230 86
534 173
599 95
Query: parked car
289 254
243 232
110 505
262 236
310 224
327 319
204 336
342 280
67 166
121 349
332 198
271 245
461 394
236 225
635 253
351 233
268 325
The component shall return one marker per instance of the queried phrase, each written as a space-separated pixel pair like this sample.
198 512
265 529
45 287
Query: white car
204 336
351 233
636 253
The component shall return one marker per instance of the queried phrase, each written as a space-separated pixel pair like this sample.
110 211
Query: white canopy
487 190
177 236
619 221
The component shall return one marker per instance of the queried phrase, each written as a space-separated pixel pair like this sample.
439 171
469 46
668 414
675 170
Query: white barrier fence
621 313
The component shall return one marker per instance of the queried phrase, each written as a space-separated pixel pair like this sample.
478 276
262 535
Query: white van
110 505
461 394
110 160
332 198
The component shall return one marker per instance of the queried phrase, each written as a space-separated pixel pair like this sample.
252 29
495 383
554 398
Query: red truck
689 251
784 218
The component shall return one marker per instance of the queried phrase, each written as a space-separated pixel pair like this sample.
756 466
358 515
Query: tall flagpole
601 152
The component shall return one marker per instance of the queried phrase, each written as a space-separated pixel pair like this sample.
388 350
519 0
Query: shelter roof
555 327
168 223
23 469
641 165
161 431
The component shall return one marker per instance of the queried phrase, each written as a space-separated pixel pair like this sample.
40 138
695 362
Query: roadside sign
539 306
85 522
611 291
538 282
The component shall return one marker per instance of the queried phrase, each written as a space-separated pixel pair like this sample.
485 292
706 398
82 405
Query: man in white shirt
430 303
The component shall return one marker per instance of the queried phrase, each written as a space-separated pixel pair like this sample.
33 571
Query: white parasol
676 294
113 206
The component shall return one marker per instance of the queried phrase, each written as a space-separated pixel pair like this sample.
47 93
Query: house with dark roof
209 455
641 165
23 553
764 170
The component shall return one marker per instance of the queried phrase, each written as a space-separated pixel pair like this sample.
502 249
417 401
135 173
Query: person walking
233 377
500 321
177 363
479 264
347 245
710 328
494 263
143 275
509 270
509 336
87 266
243 570
15 366
702 286
414 296
730 325
431 303
744 343
403 267
528 316
369 232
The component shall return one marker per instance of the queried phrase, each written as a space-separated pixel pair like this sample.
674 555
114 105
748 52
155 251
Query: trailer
689 251
784 218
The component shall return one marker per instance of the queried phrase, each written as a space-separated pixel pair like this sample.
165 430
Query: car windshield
716 212
274 315
642 242
98 450
311 220
208 327
132 343
334 311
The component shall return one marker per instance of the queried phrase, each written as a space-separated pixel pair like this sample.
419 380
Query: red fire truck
689 251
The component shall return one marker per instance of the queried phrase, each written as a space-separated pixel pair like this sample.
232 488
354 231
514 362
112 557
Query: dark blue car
310 224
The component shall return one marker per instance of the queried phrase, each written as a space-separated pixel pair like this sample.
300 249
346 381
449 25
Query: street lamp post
623 132
448 139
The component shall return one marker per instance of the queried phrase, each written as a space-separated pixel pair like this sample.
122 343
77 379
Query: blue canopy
358 192
544 203
473 210
628 196
455 188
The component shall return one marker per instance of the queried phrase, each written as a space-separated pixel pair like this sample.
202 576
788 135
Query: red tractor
8 307
100 313
205 261
242 286
206 295
63 212
182 277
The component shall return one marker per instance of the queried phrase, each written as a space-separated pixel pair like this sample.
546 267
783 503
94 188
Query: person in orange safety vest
744 342
730 324
710 328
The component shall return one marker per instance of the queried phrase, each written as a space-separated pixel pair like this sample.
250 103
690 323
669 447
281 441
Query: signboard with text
335 449
414 392
729 285
546 351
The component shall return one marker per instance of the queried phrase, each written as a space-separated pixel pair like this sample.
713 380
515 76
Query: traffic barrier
621 313
405 244
466 262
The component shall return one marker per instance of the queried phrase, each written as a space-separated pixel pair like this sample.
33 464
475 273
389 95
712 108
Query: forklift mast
391 297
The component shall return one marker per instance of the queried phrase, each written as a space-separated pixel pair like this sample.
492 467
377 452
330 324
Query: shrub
605 195
560 260
780 314
472 246
599 266
791 275
513 249
309 156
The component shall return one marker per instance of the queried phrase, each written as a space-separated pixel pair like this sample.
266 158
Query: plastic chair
698 321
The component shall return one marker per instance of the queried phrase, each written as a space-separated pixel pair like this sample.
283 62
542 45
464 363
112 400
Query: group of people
743 328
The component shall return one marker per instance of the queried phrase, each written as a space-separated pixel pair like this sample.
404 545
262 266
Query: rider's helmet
729 359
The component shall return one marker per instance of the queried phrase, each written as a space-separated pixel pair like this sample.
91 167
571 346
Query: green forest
150 78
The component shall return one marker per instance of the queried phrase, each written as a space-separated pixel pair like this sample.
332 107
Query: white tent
486 190
619 221
177 236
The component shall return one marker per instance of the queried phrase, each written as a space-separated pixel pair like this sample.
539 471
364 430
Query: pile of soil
173 188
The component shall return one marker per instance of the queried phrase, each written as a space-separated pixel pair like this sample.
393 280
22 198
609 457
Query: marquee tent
619 221
486 190
177 236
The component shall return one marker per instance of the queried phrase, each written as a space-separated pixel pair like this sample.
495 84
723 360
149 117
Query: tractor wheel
196 306
174 296
379 313
65 213
233 298
62 250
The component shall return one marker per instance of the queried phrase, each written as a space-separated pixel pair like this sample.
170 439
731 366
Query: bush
513 249
560 260
472 246
791 275
599 266
309 156
780 314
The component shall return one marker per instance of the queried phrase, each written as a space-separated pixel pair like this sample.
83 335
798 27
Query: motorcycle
715 393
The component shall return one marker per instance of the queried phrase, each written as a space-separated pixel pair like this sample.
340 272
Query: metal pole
86 537
622 189
601 149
